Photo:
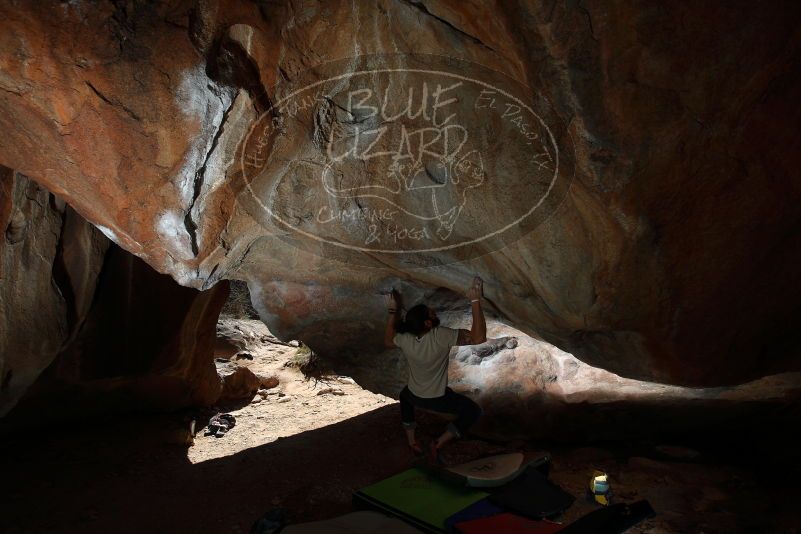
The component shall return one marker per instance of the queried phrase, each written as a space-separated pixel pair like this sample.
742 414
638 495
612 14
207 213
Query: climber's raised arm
393 318
478 331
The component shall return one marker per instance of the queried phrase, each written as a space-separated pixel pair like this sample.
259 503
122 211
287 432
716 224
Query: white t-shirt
428 360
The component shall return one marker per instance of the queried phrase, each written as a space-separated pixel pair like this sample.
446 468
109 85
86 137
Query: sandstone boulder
667 248
268 382
239 384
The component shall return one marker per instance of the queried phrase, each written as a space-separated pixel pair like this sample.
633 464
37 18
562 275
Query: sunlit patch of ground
298 404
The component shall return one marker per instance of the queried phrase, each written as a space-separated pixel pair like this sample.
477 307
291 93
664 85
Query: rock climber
426 345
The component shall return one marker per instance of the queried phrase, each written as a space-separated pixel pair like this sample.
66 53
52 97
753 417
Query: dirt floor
310 443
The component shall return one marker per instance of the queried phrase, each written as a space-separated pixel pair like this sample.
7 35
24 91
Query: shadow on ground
121 476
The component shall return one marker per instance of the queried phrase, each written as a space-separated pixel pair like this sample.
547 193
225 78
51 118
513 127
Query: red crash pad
508 524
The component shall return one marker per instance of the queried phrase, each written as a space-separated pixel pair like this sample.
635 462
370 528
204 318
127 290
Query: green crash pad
419 498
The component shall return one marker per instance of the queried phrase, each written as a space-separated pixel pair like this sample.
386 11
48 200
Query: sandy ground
309 444
298 404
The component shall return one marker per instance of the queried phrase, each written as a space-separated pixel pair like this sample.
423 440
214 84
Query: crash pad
421 499
533 495
364 522
477 510
506 523
613 519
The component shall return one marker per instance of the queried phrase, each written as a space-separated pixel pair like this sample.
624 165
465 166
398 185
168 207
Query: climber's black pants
466 411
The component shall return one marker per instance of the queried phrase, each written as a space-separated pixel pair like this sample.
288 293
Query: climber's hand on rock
393 301
475 291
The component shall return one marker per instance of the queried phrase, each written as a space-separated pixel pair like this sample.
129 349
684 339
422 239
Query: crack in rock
200 176
420 6
113 103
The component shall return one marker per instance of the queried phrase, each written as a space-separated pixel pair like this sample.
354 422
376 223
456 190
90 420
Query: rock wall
51 258
87 327
146 343
669 253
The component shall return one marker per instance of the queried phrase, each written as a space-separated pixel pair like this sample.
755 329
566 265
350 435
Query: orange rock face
623 177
